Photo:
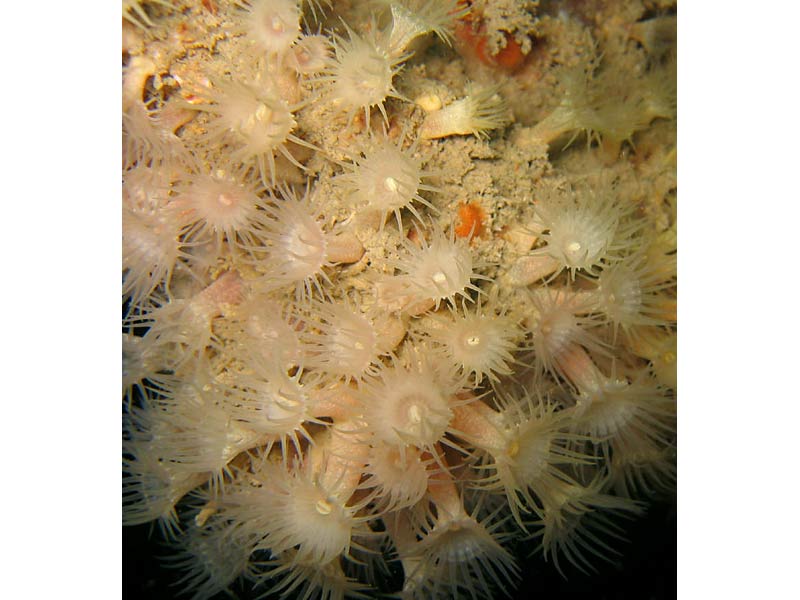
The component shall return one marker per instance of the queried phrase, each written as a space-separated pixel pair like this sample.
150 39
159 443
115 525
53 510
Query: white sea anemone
561 321
269 331
286 575
409 405
630 293
385 178
143 373
218 207
299 249
151 484
272 25
479 342
640 467
413 18
441 268
618 408
292 512
152 245
211 558
151 252
343 342
266 400
361 74
457 558
584 229
576 519
480 111
257 123
185 324
400 476
148 136
197 433
529 447
310 55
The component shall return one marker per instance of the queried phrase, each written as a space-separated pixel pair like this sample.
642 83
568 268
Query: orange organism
470 218
471 32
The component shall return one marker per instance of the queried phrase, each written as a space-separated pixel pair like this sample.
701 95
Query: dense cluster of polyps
322 369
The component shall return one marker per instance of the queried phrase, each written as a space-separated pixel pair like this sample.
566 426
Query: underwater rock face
400 293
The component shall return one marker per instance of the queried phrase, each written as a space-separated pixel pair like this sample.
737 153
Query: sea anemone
479 342
640 467
273 25
409 405
148 137
342 341
660 347
597 102
456 554
218 207
482 110
255 121
291 511
439 269
400 476
310 55
197 433
385 178
185 324
307 580
361 74
584 229
560 321
413 18
630 294
153 248
211 559
299 249
151 251
575 519
269 401
304 516
143 372
523 448
134 12
269 331
151 484
618 407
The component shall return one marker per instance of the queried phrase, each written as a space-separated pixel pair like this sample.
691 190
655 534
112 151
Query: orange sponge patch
470 217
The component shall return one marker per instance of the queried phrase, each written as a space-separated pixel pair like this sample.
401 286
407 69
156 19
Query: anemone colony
399 284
